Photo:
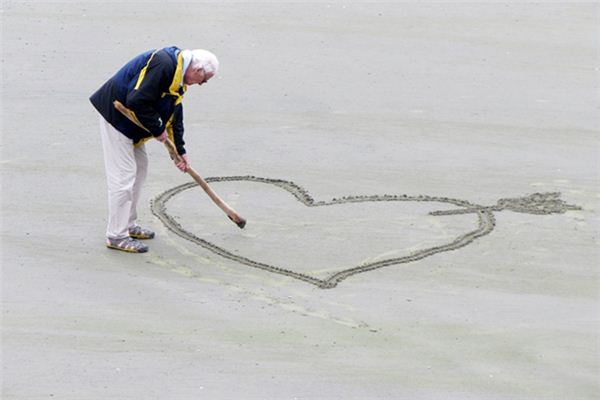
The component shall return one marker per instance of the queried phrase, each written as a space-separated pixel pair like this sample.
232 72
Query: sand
424 224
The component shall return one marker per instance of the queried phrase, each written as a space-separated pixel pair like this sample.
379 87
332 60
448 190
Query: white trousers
126 170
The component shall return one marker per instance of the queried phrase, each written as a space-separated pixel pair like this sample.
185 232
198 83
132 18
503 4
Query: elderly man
140 102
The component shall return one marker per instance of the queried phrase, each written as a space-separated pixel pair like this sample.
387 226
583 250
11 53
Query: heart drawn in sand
537 203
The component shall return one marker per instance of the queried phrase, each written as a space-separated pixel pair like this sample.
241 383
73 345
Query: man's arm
153 77
182 162
178 129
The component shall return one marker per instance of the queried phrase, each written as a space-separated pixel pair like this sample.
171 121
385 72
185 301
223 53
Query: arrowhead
536 203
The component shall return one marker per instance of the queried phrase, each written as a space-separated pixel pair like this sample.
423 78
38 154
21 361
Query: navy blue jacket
151 87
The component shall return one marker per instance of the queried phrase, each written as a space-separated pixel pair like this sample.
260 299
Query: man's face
196 75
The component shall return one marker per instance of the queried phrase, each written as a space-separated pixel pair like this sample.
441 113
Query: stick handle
239 221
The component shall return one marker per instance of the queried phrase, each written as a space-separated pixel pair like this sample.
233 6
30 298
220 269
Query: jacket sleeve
148 89
178 129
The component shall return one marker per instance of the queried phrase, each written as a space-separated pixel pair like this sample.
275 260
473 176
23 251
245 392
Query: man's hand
182 163
163 136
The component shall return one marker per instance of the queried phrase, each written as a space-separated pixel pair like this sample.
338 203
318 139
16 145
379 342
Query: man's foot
127 244
137 232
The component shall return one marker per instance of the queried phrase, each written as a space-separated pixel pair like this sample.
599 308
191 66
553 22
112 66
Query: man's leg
141 161
120 164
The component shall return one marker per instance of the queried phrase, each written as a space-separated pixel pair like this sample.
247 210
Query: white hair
206 60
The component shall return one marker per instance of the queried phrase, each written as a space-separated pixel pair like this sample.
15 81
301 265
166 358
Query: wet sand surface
473 102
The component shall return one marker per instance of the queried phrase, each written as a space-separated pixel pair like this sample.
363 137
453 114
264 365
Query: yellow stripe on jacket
143 72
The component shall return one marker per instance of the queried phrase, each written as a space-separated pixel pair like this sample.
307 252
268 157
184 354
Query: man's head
204 65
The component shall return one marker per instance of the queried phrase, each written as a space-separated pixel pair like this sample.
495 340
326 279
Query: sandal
137 232
127 244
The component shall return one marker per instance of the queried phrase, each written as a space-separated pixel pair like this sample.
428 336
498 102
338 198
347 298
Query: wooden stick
235 217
